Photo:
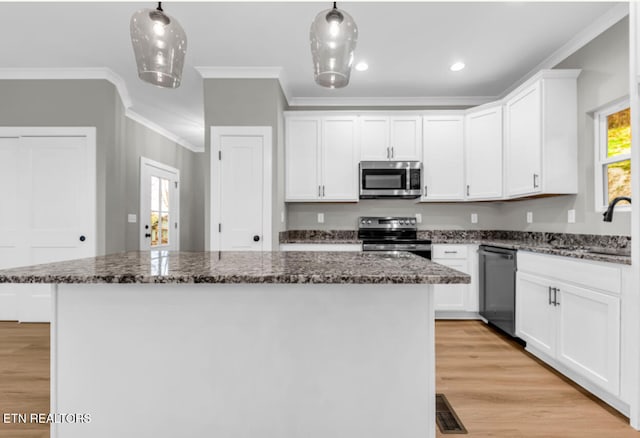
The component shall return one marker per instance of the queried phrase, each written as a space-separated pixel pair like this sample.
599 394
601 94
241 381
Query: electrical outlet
571 216
474 218
419 218
132 218
320 218
529 217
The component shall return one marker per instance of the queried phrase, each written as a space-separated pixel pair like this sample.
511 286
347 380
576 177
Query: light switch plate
474 218
320 218
529 217
419 218
571 216
132 218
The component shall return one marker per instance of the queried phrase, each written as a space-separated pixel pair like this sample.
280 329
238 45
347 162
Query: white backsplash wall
344 216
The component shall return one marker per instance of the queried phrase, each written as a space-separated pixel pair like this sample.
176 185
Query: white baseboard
457 314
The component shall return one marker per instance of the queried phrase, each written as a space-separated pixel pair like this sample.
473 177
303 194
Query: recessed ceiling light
457 66
362 66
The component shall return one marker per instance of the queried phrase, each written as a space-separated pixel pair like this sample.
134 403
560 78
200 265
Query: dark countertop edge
320 242
226 279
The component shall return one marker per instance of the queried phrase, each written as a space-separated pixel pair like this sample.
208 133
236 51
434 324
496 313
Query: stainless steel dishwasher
498 287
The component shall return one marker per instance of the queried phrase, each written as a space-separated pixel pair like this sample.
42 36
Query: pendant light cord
159 8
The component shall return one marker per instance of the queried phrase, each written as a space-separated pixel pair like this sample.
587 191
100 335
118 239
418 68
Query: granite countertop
601 248
240 267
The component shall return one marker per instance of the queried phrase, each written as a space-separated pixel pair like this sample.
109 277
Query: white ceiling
408 46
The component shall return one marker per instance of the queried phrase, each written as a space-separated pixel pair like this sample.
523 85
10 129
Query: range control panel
392 223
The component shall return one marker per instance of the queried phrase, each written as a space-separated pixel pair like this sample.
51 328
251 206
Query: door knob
82 238
256 238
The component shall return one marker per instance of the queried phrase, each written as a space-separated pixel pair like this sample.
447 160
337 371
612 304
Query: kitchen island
252 344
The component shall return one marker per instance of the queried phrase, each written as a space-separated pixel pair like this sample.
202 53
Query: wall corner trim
95 73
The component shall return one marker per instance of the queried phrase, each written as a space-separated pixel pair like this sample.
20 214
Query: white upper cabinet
483 153
302 144
321 158
540 135
396 138
443 158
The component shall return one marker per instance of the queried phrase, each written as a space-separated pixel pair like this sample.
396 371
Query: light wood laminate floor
497 389
500 390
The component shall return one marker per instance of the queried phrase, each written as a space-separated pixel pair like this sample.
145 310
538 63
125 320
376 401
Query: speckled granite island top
240 267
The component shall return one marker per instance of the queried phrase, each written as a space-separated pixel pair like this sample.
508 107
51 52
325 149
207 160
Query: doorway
159 206
48 199
241 188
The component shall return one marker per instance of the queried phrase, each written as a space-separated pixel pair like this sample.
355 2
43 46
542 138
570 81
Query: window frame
600 159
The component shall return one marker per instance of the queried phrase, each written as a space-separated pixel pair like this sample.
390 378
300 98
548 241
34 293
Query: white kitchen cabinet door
302 150
452 296
483 151
535 313
405 138
443 158
589 335
523 142
374 138
339 159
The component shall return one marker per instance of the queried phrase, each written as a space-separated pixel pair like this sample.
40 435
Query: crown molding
248 73
137 117
581 39
95 73
393 101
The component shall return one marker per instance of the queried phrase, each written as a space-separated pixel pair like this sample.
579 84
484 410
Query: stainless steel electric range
392 234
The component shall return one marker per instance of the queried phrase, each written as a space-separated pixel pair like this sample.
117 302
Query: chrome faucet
608 215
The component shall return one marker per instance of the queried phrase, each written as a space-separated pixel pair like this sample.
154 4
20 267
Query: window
159 211
613 154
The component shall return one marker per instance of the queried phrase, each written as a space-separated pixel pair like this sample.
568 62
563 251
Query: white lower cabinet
456 300
568 324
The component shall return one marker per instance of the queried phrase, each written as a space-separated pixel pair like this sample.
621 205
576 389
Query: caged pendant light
159 45
333 37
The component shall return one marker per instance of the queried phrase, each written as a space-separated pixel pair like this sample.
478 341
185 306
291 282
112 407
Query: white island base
244 360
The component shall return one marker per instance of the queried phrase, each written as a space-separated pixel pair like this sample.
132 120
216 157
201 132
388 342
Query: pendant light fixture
333 37
159 45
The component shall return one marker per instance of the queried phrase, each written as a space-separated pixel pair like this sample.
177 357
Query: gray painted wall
119 144
604 78
247 102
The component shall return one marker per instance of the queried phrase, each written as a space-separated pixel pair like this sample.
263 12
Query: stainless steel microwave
390 179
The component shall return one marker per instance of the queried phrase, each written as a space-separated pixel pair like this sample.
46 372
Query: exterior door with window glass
159 206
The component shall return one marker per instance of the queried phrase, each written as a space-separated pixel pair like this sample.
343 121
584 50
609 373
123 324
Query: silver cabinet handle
555 296
323 190
451 252
550 302
388 154
425 191
467 189
392 151
535 180
319 193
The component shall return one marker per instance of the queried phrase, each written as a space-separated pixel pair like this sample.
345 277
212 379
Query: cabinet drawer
592 275
449 252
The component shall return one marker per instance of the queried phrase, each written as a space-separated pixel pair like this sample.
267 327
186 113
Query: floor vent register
448 421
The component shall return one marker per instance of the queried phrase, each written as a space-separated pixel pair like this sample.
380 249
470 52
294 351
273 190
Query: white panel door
443 158
589 335
535 313
374 138
483 151
159 206
339 159
405 140
523 142
241 189
48 187
302 159
452 296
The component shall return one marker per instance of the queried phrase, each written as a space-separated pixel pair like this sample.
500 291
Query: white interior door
241 189
47 184
159 206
